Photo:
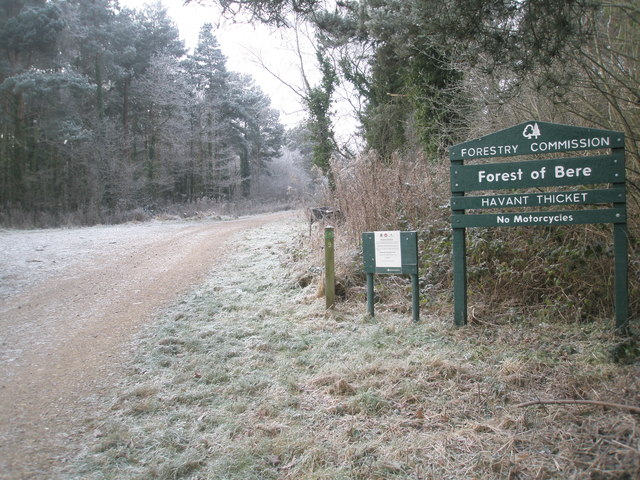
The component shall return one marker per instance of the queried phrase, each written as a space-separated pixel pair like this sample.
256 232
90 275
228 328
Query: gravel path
71 302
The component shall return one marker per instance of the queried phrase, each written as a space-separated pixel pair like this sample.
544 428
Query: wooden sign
596 205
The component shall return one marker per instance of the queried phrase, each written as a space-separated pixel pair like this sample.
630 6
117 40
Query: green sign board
554 217
391 252
531 138
539 199
601 200
542 173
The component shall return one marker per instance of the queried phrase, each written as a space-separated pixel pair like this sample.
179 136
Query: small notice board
391 252
387 249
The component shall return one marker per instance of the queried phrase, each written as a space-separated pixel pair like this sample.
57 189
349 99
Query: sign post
391 252
529 178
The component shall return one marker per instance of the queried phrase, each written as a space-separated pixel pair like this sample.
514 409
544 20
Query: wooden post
459 262
459 277
621 261
329 268
621 277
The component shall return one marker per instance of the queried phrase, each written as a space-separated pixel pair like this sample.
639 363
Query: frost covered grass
249 378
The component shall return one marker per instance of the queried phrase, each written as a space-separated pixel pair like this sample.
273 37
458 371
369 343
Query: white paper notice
387 249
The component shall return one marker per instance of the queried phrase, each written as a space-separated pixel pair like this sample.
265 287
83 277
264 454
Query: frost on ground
72 300
249 378
28 257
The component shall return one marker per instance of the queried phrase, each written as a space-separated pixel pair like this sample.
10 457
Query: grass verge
249 378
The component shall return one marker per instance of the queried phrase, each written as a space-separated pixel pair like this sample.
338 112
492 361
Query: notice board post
601 197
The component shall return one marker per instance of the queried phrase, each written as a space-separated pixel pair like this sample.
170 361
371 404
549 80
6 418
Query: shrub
559 272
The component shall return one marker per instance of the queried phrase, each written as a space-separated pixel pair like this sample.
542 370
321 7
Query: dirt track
68 314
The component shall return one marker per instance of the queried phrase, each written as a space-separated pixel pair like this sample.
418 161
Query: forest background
105 117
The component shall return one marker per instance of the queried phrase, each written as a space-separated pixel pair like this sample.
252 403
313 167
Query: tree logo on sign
531 131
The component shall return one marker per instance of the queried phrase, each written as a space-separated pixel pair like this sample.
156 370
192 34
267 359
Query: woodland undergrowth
249 377
555 274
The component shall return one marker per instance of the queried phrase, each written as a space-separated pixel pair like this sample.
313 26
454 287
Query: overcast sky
241 44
